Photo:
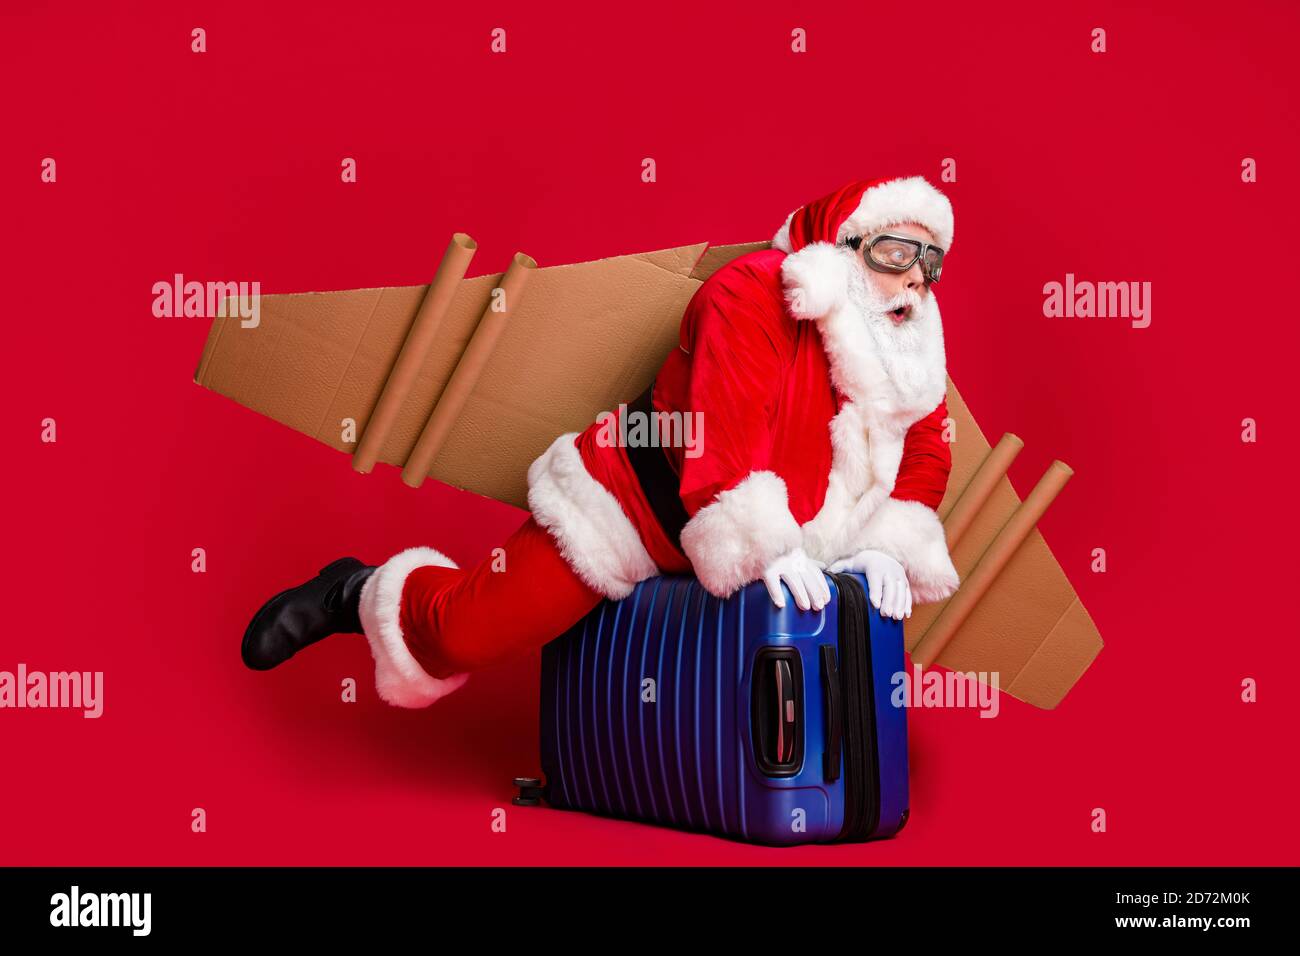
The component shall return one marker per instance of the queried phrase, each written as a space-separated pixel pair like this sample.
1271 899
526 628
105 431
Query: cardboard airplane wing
539 360
469 380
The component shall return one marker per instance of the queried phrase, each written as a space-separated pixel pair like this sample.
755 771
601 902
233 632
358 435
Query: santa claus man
818 367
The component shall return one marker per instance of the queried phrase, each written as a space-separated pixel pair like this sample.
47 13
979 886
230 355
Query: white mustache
907 297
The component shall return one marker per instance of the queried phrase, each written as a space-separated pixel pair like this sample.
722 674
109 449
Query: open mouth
900 314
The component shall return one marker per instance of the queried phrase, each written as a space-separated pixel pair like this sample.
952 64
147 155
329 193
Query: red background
1123 166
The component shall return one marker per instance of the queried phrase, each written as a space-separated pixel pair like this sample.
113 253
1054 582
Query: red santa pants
461 619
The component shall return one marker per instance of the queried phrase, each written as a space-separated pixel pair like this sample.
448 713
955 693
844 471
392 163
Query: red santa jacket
810 432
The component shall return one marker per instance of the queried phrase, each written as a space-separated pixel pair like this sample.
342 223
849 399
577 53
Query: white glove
890 593
802 576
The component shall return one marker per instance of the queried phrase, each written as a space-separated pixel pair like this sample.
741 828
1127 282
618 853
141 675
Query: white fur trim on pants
733 539
912 534
594 534
399 678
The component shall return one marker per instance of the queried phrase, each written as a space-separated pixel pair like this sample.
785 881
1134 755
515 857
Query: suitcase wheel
531 792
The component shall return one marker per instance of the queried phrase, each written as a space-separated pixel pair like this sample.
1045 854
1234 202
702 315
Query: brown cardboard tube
461 384
990 564
415 348
973 497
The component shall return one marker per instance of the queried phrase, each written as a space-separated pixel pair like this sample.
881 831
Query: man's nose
915 277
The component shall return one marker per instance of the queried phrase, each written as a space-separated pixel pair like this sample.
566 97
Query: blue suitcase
730 717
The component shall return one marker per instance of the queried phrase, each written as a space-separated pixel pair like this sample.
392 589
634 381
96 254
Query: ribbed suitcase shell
687 759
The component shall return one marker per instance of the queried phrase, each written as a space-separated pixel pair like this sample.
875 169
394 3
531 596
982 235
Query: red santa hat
811 234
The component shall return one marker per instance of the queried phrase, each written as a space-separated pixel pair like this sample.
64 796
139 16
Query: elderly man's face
891 284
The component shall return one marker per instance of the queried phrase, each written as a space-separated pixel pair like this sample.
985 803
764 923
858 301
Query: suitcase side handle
830 669
777 711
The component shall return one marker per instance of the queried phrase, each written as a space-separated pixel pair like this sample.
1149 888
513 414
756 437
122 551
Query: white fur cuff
734 538
399 679
911 533
594 534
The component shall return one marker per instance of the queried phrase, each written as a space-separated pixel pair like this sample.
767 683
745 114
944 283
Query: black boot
325 605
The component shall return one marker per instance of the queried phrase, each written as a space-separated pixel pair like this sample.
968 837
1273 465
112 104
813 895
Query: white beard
893 374
895 371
